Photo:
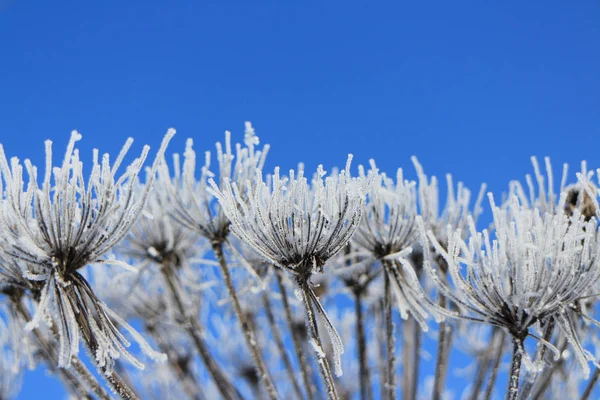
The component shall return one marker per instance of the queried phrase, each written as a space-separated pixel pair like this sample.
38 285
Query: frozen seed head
193 206
68 222
386 233
534 269
294 223
456 211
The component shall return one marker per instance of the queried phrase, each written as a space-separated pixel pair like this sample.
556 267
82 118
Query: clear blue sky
473 88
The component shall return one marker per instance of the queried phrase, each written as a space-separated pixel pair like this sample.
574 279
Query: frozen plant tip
56 229
536 268
298 226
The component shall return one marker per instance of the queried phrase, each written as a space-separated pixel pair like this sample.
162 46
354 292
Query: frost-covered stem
512 393
590 386
416 359
118 384
496 364
49 354
89 379
114 381
483 364
543 383
217 247
381 354
390 384
188 381
194 330
413 334
309 387
443 354
315 338
530 377
281 345
361 342
406 355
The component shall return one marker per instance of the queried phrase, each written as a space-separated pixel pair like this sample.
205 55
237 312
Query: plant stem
380 312
530 377
390 385
361 342
406 355
188 382
309 387
543 383
495 365
280 345
512 393
317 344
416 357
483 364
590 386
443 354
194 330
71 379
248 334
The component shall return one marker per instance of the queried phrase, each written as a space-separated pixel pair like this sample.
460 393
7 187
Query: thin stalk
543 383
309 387
406 355
416 349
71 379
590 386
381 354
443 354
512 393
361 342
194 330
187 379
540 353
495 366
390 384
316 342
248 334
483 365
281 346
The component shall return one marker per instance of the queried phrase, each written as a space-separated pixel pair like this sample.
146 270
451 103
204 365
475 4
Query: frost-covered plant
67 223
11 361
194 207
298 226
537 266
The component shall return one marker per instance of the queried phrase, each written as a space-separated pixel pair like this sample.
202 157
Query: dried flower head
67 223
386 233
193 206
298 226
536 268
294 224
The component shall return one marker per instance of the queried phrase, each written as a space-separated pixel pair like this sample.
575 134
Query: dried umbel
295 225
386 233
192 205
67 223
298 226
536 268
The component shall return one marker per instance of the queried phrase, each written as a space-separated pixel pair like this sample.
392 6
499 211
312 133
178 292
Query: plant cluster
237 284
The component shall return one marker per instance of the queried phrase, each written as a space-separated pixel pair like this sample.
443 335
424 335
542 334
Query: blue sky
473 88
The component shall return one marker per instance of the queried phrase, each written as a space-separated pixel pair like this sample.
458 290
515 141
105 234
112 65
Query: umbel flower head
386 233
297 226
193 206
535 269
67 223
